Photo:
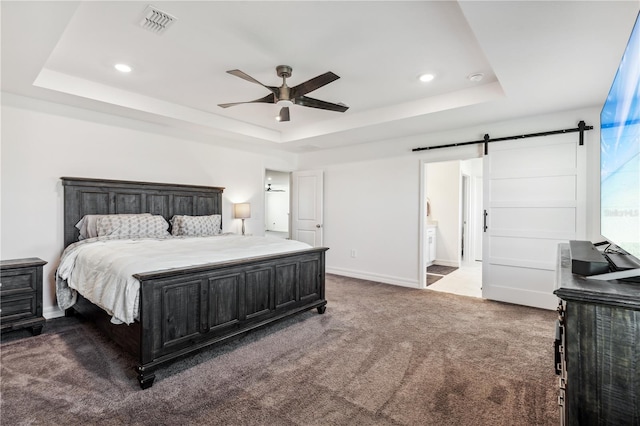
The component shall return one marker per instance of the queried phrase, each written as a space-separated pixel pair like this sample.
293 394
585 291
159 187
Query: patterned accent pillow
196 226
88 225
133 226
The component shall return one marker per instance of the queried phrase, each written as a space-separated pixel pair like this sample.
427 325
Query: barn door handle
485 221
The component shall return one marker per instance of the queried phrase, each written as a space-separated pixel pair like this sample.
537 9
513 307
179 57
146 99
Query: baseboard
453 264
52 312
374 277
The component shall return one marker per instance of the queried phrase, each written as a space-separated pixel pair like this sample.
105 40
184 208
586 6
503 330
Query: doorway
277 203
455 211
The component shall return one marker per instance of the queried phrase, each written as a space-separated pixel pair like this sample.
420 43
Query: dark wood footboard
185 310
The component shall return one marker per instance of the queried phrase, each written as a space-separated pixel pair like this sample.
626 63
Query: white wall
42 142
372 193
372 208
471 167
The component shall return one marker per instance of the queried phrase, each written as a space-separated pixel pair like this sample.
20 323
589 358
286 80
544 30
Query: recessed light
426 77
122 67
475 77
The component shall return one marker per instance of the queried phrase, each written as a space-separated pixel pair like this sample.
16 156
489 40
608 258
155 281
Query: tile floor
465 281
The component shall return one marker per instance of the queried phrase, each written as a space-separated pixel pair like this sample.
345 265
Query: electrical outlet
353 252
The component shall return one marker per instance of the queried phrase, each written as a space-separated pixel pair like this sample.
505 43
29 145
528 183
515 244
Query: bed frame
184 310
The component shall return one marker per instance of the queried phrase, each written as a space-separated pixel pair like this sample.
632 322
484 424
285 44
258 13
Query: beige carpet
381 355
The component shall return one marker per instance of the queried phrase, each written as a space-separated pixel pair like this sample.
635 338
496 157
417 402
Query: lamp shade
242 210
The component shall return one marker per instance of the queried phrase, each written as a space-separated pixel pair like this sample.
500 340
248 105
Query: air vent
155 20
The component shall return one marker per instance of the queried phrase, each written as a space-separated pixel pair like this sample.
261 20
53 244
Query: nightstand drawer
21 294
17 281
14 308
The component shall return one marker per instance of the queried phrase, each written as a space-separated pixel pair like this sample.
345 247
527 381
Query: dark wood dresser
21 294
597 348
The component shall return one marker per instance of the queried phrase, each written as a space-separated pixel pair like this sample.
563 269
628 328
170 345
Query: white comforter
101 268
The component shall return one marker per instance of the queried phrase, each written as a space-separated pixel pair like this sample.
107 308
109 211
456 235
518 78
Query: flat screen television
620 163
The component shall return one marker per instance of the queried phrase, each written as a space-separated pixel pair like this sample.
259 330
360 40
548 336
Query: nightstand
21 294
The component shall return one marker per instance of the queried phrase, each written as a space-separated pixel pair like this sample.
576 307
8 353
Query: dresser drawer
18 281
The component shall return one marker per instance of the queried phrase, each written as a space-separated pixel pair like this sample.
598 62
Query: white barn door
306 207
534 198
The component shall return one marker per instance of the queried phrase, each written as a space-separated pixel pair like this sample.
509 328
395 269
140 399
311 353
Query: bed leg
145 378
36 329
321 309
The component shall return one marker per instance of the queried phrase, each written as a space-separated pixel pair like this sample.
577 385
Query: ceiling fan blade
284 114
316 103
313 84
269 99
247 77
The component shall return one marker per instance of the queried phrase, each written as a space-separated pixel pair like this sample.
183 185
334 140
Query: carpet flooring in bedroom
380 355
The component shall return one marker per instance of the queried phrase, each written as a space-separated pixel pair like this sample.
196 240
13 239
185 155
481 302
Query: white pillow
199 226
88 224
138 226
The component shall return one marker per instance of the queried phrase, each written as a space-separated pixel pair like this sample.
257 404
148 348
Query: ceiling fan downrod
284 71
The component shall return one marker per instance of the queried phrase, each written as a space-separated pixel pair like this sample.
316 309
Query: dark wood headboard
84 196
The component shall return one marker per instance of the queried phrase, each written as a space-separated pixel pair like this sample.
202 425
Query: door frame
477 232
465 218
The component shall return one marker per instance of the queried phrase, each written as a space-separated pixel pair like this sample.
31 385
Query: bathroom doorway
277 203
455 217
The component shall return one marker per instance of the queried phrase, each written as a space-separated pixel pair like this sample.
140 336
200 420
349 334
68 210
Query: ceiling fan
269 189
287 96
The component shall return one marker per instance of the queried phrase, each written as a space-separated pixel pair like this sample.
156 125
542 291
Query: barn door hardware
485 221
582 127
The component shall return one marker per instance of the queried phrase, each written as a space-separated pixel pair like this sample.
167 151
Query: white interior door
306 207
534 197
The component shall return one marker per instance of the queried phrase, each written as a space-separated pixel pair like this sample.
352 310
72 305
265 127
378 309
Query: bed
183 310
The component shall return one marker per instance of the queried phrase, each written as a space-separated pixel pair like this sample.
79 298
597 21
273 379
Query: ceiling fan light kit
269 189
286 96
283 115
